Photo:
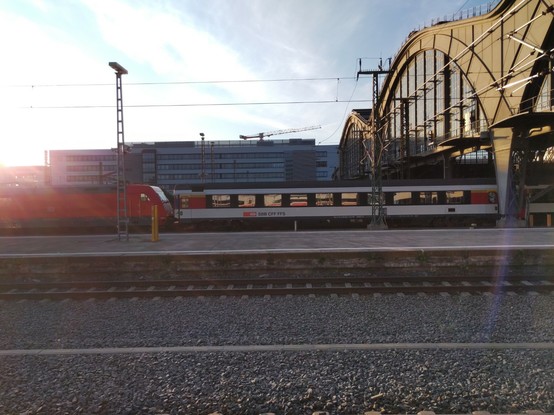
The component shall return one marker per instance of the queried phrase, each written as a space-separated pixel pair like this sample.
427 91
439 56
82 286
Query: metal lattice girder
122 217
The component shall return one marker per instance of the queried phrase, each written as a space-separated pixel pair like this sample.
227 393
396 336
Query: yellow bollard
155 233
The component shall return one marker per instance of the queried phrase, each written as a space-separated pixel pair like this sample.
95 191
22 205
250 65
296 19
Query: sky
223 68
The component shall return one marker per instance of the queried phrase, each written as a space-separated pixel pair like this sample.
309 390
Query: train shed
463 98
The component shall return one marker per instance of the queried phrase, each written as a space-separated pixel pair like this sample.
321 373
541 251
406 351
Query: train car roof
331 184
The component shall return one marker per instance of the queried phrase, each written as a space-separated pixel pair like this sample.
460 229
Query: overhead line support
376 151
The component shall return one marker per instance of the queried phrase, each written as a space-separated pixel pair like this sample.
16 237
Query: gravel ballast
292 382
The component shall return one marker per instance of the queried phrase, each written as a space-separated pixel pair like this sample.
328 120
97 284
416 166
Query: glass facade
353 162
167 164
223 162
432 102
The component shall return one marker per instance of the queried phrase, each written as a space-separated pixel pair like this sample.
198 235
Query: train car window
368 199
298 200
144 198
324 199
247 201
363 199
184 201
371 200
402 198
273 200
221 201
454 197
427 198
349 199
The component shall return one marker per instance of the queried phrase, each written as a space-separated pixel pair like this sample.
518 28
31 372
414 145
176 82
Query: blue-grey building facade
167 164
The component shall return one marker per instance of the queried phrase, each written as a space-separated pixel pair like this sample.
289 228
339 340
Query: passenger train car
336 204
66 208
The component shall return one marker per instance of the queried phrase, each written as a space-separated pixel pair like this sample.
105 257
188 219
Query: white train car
336 204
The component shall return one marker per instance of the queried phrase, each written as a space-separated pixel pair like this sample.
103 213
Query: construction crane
291 130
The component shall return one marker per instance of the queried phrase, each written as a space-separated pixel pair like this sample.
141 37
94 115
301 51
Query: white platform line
280 250
281 348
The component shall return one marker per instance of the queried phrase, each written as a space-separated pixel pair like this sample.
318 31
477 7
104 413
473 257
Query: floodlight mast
118 68
122 219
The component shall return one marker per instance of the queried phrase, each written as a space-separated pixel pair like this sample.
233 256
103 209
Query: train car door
188 203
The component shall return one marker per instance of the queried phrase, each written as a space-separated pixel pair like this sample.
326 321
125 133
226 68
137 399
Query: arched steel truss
451 88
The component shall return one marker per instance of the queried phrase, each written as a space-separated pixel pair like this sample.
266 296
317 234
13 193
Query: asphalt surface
283 241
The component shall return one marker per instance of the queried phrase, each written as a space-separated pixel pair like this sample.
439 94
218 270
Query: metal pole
212 161
202 166
122 219
155 224
376 150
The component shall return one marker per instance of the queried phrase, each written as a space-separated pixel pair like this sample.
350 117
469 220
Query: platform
286 241
494 252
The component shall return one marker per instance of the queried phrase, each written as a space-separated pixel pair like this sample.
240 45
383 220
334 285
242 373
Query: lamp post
202 166
212 160
122 219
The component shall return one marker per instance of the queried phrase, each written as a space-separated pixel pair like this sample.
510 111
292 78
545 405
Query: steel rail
224 281
270 286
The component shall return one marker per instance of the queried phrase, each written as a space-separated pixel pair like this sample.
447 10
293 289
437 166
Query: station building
466 97
167 164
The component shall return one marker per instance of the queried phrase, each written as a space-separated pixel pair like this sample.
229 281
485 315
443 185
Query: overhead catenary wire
199 82
334 79
350 100
196 104
211 104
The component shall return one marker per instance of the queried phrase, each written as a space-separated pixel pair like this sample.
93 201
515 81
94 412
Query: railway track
347 285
